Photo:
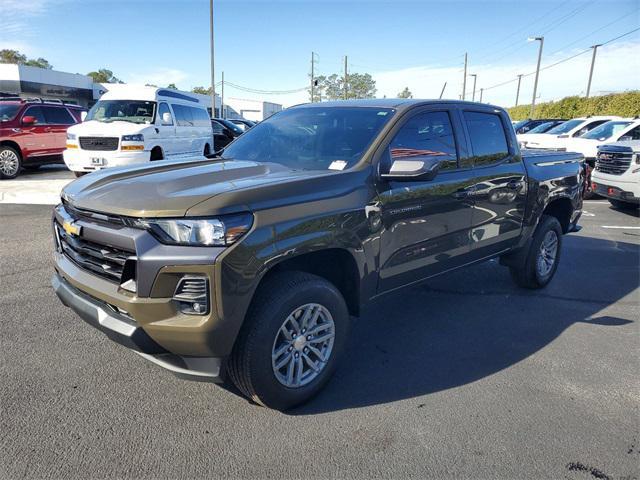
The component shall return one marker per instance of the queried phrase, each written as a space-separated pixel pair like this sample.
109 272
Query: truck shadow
470 324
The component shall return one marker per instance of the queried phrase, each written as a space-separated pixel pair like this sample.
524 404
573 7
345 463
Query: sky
267 45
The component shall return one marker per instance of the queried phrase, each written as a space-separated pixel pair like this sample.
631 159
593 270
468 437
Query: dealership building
25 81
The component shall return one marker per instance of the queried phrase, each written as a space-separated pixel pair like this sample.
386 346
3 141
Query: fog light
192 295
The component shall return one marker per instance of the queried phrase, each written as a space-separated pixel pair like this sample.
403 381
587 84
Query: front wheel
10 163
541 261
289 346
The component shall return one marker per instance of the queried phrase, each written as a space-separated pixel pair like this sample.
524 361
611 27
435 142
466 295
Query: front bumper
127 332
79 160
624 187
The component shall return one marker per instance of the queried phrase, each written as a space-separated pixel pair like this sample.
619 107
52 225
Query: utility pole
464 81
345 77
475 77
222 113
481 90
518 90
535 82
213 76
443 87
313 87
593 62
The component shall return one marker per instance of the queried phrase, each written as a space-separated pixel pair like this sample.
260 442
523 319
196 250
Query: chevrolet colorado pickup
250 266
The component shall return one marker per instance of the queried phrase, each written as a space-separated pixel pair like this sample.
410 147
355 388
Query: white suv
617 173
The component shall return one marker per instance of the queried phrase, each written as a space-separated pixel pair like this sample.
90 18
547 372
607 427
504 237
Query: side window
217 128
183 115
37 113
162 109
488 139
201 117
426 134
57 116
633 133
589 127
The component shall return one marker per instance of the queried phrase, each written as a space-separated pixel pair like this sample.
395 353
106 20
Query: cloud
16 16
615 70
159 76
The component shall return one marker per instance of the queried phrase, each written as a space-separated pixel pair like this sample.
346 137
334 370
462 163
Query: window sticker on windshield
383 113
337 165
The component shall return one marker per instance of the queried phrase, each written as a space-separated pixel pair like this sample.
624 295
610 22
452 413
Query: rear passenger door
35 137
425 223
58 120
500 188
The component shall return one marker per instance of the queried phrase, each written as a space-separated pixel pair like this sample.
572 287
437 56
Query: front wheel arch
156 154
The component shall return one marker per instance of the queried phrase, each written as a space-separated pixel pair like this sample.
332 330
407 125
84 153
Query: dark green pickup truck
250 265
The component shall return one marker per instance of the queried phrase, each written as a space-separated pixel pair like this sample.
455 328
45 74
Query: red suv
33 132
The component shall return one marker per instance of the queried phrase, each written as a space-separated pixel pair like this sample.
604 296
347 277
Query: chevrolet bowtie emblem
71 228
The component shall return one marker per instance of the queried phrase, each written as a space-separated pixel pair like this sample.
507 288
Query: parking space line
621 227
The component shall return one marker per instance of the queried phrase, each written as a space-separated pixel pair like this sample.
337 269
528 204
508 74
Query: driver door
166 130
426 224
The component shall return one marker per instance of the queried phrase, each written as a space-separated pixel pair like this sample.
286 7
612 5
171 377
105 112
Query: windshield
134 111
7 112
543 127
606 130
231 126
520 124
312 138
565 127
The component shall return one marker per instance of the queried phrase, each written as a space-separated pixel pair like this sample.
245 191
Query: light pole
464 80
213 76
535 82
518 90
593 62
481 91
475 77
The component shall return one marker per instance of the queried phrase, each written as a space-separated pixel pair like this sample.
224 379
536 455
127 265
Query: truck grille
105 261
99 143
613 163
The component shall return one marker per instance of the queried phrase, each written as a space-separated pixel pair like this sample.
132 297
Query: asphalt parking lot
465 376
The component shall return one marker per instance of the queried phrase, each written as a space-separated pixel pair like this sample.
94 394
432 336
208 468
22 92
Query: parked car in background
617 173
525 126
556 138
242 123
33 132
132 124
250 266
523 138
624 129
223 133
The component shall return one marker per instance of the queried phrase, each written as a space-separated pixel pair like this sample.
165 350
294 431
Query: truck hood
197 188
585 146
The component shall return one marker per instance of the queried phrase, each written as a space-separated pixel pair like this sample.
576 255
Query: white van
132 124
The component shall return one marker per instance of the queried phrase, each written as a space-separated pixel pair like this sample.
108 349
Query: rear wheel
290 343
540 264
10 162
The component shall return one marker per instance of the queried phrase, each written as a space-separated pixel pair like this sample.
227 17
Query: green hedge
625 104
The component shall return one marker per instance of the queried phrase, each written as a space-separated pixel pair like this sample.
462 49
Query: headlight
202 232
133 138
71 136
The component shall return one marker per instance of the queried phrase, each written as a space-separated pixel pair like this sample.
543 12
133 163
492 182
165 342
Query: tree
172 86
359 85
201 90
406 93
151 85
17 58
104 76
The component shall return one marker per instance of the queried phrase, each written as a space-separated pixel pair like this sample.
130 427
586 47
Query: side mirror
29 120
409 169
83 116
167 119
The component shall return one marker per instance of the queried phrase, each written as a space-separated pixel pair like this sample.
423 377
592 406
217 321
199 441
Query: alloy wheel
547 254
303 345
9 163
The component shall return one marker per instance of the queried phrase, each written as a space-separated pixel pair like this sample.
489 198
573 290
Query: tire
80 174
251 367
619 204
156 154
10 162
207 150
531 273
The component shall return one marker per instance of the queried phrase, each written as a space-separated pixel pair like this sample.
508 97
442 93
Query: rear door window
57 116
183 115
488 138
426 134
37 113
